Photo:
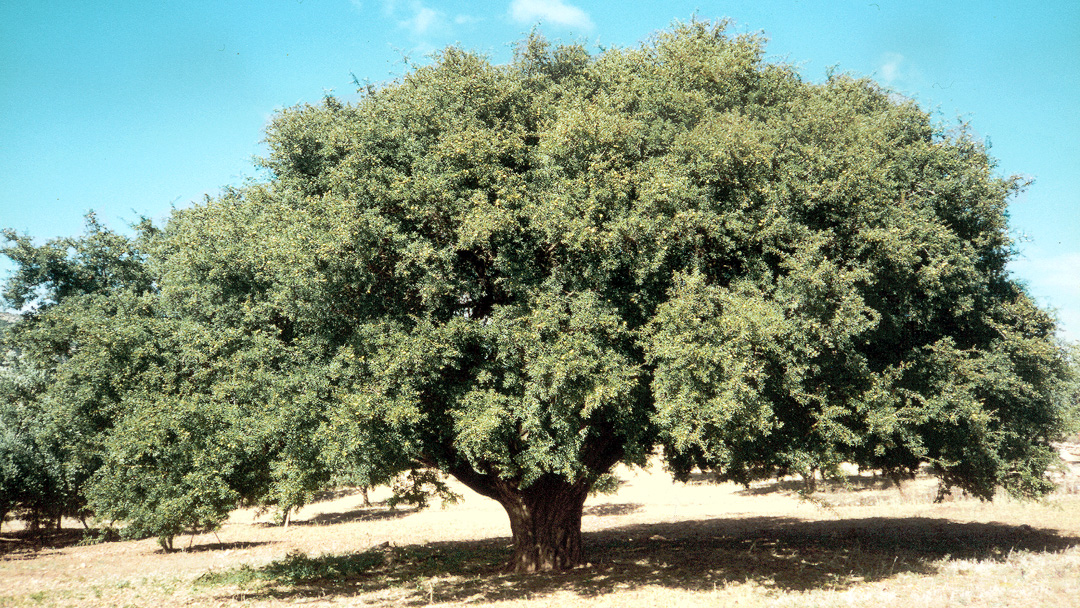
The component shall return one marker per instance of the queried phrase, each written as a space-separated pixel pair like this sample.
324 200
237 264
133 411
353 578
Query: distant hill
7 318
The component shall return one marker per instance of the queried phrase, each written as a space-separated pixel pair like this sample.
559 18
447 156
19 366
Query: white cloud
555 12
416 17
891 67
897 72
423 20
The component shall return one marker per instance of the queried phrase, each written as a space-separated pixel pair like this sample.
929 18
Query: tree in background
127 397
522 275
53 413
34 484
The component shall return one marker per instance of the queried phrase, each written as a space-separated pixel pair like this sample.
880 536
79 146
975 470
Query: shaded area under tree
785 553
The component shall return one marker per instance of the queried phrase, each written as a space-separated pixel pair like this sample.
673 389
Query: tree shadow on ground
373 513
27 544
220 546
608 510
848 483
364 514
337 493
782 553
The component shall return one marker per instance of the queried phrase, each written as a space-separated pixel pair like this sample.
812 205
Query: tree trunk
545 517
545 520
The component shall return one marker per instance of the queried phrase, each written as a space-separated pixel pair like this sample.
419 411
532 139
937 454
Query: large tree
524 274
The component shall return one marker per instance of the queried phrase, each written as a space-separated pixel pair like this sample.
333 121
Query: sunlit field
864 542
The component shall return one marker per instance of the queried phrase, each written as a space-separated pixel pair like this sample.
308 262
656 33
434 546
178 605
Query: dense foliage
521 275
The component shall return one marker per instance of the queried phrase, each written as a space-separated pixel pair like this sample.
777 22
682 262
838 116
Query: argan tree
521 275
113 405
54 407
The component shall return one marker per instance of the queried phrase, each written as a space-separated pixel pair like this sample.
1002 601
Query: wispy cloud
555 12
423 20
466 19
891 67
416 17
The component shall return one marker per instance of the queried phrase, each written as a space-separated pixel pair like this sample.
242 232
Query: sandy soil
653 541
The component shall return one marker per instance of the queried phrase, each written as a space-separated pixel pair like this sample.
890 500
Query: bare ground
861 543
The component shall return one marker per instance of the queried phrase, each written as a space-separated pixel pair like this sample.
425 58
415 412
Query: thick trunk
545 520
545 517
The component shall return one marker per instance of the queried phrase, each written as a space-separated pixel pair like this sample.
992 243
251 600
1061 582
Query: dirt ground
655 541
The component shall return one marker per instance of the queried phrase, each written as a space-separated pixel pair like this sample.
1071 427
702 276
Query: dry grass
861 543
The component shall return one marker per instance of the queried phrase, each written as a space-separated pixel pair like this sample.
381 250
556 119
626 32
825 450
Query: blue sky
131 107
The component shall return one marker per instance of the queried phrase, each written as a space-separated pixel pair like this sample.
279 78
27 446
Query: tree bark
545 520
545 517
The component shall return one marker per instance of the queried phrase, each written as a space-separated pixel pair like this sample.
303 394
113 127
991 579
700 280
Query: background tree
522 275
35 484
161 422
48 440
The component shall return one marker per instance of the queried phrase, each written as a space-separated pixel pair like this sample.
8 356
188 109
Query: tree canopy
521 275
